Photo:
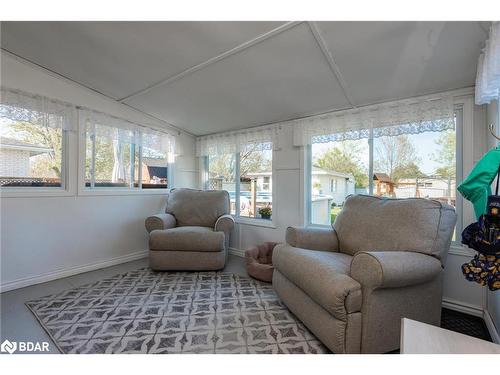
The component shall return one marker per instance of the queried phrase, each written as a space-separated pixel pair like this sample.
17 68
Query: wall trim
237 252
461 251
463 307
495 336
59 274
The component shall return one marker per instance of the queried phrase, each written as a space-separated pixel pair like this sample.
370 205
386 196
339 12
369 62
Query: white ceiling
208 77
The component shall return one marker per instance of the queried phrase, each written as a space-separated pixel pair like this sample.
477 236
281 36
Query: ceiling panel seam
222 56
330 60
76 83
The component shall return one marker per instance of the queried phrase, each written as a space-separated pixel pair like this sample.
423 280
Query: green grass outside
334 212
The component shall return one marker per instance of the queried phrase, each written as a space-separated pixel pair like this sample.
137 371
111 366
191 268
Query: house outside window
24 163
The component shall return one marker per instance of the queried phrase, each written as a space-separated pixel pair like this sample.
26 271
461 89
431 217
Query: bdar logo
9 347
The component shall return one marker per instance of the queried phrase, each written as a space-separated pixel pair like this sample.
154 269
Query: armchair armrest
224 223
160 221
393 269
312 238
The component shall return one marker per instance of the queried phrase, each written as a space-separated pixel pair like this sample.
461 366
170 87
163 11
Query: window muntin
410 165
253 189
31 154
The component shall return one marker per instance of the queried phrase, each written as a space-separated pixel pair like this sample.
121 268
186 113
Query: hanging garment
484 270
484 236
476 187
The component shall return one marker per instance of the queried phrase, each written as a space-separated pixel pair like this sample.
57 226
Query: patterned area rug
157 312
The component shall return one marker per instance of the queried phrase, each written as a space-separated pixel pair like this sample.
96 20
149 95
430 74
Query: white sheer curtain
19 105
123 131
411 116
488 68
235 141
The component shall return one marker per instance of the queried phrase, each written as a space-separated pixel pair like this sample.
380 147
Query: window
266 184
252 191
416 165
255 165
121 157
32 143
422 165
109 163
333 185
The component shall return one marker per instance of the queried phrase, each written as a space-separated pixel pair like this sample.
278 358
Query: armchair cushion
393 269
368 223
160 221
323 276
187 239
197 207
312 238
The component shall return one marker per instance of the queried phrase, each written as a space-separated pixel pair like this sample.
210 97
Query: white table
421 338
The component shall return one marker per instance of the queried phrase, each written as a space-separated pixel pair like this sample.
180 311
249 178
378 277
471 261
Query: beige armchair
382 260
193 233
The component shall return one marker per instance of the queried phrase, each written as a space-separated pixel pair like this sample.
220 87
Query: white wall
493 298
288 210
48 237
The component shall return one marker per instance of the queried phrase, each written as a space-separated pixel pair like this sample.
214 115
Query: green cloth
477 186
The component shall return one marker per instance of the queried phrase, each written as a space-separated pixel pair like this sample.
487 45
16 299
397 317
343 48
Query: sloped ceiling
208 77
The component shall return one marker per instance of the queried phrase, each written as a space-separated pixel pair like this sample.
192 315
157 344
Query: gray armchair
382 260
193 233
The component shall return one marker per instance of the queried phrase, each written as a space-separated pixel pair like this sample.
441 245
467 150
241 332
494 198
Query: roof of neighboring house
329 172
160 172
154 162
382 177
15 144
315 171
256 174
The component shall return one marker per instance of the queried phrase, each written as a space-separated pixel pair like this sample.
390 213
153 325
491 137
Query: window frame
256 221
85 190
462 109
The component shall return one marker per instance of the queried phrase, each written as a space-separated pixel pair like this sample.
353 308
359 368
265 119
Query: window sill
255 222
34 192
118 192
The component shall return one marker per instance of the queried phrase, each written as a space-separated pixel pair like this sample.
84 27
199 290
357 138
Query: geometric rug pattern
143 311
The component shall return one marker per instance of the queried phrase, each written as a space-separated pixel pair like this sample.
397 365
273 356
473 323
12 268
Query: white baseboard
59 274
238 252
462 307
495 336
